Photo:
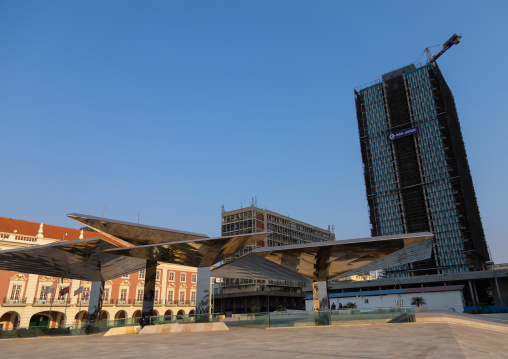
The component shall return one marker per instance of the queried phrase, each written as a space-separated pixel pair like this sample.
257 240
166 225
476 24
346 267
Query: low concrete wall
461 319
183 328
123 330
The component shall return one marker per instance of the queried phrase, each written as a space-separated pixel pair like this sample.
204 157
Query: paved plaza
372 341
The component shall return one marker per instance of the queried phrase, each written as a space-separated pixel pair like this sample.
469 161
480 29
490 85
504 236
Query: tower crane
454 40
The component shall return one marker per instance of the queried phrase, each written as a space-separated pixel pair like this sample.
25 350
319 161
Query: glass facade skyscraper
416 169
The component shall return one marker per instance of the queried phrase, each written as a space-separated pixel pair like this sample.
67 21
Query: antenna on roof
103 211
223 210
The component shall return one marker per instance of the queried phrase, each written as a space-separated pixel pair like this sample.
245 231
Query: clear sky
171 109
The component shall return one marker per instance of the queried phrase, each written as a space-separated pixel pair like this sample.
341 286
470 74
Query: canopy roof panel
128 234
326 260
195 253
84 259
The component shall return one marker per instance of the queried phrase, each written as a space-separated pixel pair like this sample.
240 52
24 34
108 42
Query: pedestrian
333 306
143 322
340 305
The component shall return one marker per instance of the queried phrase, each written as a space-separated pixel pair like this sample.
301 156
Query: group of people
335 307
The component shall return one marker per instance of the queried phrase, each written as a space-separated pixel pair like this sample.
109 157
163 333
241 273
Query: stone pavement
410 340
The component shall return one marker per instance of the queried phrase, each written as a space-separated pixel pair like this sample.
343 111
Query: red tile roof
26 228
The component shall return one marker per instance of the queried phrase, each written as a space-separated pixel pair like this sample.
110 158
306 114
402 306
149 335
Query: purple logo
403 133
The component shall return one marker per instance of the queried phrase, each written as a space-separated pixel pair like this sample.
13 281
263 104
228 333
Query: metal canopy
83 259
127 234
195 253
326 260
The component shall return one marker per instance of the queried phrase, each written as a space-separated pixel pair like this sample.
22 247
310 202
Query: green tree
254 309
418 301
351 305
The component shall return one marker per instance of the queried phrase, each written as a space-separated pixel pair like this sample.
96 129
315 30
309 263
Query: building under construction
416 169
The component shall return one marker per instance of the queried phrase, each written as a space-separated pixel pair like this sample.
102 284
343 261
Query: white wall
447 301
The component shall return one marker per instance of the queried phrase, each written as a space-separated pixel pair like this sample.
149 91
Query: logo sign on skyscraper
402 133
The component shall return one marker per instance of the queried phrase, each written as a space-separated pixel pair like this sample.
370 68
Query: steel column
320 295
149 290
472 293
203 291
499 292
95 302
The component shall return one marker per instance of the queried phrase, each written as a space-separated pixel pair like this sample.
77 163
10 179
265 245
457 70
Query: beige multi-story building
239 295
286 230
24 301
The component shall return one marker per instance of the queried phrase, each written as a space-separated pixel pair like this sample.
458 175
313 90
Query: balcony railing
108 301
124 301
42 301
10 301
61 302
187 302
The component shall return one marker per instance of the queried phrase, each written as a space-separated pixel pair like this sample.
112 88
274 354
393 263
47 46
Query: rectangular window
170 297
194 278
61 297
125 276
182 296
158 275
171 277
142 274
16 292
105 295
85 295
183 277
123 295
156 297
139 297
43 295
193 297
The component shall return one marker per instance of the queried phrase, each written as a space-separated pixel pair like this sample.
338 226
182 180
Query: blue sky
172 109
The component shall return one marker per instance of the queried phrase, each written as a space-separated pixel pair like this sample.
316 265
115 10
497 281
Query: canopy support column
203 291
149 289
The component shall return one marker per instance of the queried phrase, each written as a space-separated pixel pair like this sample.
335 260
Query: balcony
61 302
9 302
170 302
125 302
108 302
186 303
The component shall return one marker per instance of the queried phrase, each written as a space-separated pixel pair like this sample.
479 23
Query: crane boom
454 40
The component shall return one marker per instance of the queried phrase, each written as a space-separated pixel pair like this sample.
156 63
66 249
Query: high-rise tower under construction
416 169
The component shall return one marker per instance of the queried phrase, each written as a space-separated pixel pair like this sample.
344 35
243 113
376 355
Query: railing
124 301
42 301
332 317
61 302
108 301
14 301
17 237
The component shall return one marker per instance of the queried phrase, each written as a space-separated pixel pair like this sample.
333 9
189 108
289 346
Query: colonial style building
26 300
